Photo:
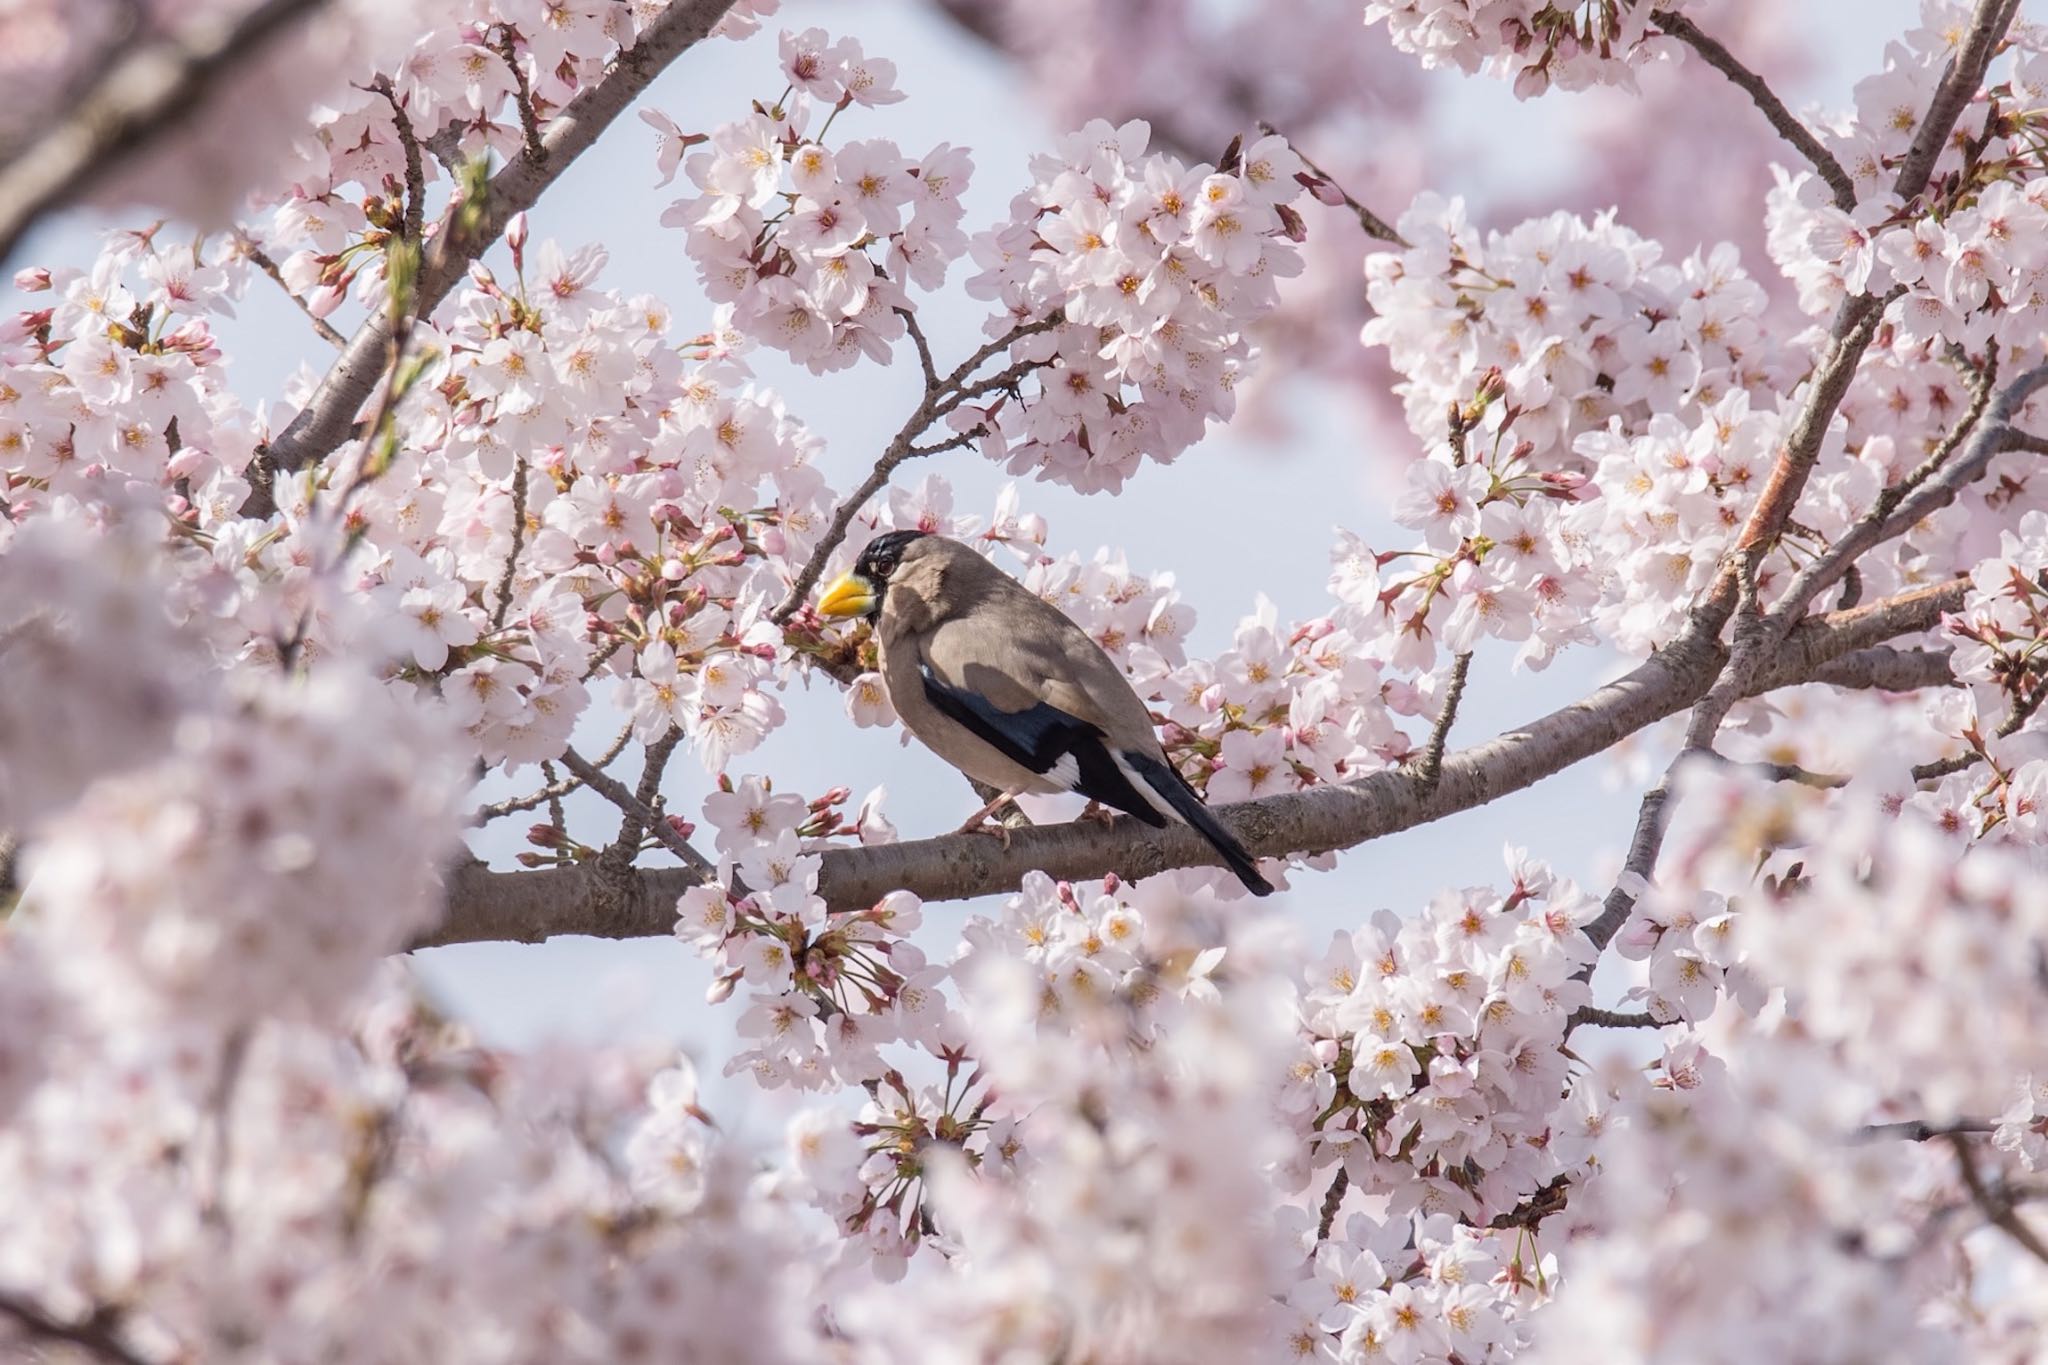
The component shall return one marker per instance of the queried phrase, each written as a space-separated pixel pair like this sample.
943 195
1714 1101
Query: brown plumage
1005 688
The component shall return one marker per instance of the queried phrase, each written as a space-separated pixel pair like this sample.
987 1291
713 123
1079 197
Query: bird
1003 686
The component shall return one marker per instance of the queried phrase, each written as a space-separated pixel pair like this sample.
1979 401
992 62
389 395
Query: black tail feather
1187 803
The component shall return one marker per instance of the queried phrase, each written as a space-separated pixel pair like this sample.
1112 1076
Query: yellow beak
849 595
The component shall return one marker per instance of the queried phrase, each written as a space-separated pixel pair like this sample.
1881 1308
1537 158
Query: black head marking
879 560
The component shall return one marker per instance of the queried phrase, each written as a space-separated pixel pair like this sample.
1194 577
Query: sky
1245 512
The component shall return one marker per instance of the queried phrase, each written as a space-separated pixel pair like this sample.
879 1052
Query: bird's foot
980 824
1096 814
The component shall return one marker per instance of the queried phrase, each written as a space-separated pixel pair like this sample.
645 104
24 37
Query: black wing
1038 737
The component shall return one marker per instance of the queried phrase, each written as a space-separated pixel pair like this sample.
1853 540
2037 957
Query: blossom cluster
1827 919
787 228
1959 263
1126 281
1537 44
474 76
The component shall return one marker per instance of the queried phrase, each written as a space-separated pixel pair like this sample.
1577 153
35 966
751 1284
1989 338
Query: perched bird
1004 687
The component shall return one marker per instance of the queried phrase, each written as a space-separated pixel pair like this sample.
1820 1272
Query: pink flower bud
32 279
721 989
515 231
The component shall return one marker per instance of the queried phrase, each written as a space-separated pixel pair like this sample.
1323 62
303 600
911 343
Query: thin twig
263 261
1431 768
941 397
415 169
2023 709
529 119
1589 1017
924 346
640 816
518 540
1332 1201
1993 434
1982 380
1641 861
965 438
1375 226
554 791
1781 118
1994 1204
556 820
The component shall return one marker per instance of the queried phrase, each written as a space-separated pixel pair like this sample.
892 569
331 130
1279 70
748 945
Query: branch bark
325 421
528 907
1959 83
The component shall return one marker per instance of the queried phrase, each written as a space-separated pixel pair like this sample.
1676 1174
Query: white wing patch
1144 789
1065 772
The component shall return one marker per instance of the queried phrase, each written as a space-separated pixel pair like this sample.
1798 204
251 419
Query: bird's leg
975 825
1096 813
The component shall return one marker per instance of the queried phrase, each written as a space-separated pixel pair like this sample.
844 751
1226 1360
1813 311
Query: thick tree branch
1885 669
531 906
1781 118
142 97
327 417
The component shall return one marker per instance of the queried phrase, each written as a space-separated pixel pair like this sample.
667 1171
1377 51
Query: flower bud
32 279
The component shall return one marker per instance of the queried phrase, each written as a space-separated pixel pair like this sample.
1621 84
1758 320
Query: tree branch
261 259
531 906
1920 1130
1586 1016
325 421
1994 1204
941 396
1885 669
1432 765
641 817
95 1335
415 213
1375 226
1781 118
142 97
1994 434
1959 84
522 96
